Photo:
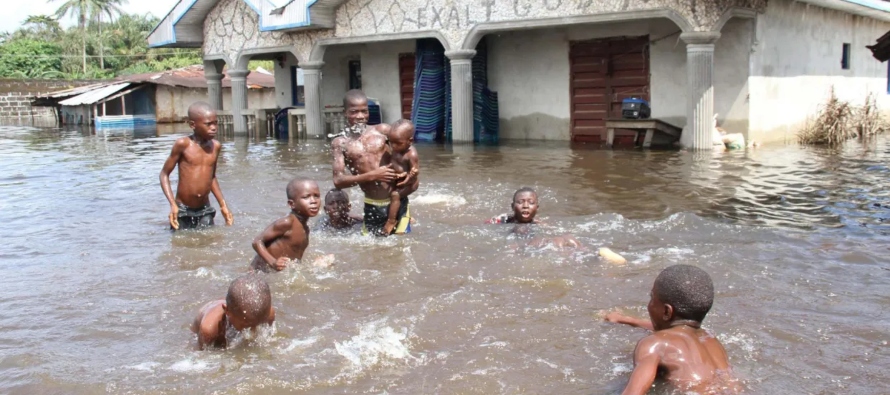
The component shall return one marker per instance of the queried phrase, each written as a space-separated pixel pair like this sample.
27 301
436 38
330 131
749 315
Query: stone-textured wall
232 26
15 97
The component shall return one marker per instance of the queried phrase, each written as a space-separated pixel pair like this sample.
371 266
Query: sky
15 11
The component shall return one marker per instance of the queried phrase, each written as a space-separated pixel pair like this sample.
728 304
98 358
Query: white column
214 89
699 89
312 91
461 94
239 99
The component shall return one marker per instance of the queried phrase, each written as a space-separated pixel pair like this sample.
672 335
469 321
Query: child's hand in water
227 215
174 217
324 261
615 317
281 263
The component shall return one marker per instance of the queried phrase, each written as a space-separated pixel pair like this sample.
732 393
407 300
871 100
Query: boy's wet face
205 125
525 207
401 139
657 311
357 112
337 206
306 199
241 321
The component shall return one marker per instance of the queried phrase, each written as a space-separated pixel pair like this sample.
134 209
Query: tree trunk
83 38
101 46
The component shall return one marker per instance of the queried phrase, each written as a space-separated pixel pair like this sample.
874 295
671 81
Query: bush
838 121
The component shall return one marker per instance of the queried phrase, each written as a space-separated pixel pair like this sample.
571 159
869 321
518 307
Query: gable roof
183 26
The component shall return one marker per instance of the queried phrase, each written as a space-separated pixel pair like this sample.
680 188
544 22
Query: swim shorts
377 212
190 218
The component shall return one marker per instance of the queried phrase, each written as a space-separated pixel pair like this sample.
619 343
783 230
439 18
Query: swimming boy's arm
206 326
175 155
619 318
344 179
217 192
646 360
274 231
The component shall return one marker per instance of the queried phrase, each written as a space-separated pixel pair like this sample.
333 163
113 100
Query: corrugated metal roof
94 96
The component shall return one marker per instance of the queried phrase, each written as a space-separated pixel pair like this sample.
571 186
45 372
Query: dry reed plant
838 121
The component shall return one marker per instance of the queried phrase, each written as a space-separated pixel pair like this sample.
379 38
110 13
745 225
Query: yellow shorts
377 212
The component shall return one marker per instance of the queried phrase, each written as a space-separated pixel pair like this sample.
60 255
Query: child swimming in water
196 156
686 355
286 239
406 163
525 207
337 207
248 304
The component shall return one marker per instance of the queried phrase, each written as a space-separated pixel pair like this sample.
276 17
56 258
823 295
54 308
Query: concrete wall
798 60
283 94
530 71
172 103
380 73
15 97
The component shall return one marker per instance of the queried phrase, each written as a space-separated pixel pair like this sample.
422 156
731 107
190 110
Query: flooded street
97 294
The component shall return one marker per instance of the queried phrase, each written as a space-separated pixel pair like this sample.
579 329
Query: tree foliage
41 48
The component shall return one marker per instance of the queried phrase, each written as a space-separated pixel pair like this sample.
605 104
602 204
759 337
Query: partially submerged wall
15 97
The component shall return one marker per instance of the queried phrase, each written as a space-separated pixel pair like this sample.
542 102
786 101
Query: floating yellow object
611 257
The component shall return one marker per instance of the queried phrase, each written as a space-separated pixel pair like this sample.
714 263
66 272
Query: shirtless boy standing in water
678 349
363 150
196 156
286 239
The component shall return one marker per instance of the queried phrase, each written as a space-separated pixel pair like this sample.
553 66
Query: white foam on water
144 366
191 365
440 198
375 344
300 343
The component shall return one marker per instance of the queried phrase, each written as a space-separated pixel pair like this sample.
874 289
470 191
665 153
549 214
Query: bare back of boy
688 357
285 239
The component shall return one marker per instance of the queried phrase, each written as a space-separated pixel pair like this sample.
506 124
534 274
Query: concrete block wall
15 97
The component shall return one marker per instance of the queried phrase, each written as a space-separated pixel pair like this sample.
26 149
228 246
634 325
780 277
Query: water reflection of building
559 68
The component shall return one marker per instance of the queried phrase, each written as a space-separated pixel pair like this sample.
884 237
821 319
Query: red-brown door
603 73
406 82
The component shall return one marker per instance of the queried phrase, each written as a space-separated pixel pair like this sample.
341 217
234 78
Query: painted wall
380 73
172 103
798 60
530 71
283 88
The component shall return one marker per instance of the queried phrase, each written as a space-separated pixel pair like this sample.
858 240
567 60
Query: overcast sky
15 11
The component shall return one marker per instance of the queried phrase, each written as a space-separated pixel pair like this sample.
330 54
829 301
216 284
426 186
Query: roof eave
874 9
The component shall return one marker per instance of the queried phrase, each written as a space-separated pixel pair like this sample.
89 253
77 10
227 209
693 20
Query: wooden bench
668 133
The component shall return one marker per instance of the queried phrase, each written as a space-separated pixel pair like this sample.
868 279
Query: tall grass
838 121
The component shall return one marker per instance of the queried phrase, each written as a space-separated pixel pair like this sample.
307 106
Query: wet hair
688 289
400 125
524 189
353 95
335 193
249 295
198 109
293 186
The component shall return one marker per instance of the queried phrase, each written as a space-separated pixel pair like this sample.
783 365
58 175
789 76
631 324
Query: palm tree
106 7
83 10
43 26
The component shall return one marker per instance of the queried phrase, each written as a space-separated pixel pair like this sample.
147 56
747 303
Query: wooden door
603 73
406 83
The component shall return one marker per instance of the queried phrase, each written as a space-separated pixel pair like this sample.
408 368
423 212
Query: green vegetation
105 43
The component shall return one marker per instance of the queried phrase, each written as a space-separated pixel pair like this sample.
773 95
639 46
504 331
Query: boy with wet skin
248 304
406 163
678 349
337 208
525 207
197 156
286 239
363 150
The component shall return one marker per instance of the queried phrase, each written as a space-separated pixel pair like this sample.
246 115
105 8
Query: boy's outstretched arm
619 318
175 155
646 360
271 233
217 192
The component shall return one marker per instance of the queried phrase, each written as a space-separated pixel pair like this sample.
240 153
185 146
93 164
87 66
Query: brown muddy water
96 294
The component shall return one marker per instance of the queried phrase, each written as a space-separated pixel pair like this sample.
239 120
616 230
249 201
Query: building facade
559 68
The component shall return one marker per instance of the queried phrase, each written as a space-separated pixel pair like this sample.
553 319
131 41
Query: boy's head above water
336 204
680 293
401 136
249 302
303 197
355 105
525 205
202 119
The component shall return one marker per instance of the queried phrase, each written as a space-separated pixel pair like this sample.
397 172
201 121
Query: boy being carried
406 164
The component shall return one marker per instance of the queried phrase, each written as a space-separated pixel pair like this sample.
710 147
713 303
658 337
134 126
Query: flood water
97 294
